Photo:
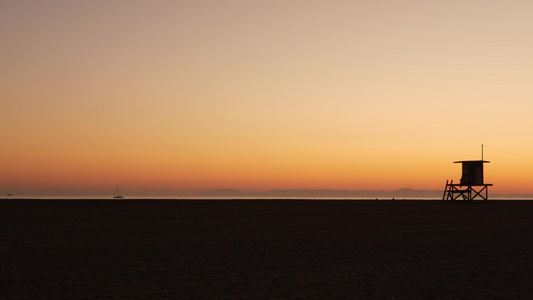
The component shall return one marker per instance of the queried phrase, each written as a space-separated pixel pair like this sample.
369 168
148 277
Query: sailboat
117 195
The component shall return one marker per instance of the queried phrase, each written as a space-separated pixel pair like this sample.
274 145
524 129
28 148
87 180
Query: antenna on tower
481 151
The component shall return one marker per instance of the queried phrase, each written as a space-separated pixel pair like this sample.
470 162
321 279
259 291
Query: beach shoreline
192 249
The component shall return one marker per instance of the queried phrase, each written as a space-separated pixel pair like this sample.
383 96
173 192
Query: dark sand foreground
265 249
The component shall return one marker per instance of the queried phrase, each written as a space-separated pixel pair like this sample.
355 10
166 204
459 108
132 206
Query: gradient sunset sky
177 97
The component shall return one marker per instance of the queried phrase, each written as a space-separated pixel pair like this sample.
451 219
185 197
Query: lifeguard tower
471 185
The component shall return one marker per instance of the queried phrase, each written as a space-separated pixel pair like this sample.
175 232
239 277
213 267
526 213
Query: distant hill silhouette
404 193
224 192
401 193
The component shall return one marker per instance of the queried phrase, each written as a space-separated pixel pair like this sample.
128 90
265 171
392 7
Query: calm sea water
173 197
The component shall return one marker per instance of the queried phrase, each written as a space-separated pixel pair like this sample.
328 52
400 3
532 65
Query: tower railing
454 191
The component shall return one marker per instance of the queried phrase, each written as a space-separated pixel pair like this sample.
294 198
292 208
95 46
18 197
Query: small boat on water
117 195
9 194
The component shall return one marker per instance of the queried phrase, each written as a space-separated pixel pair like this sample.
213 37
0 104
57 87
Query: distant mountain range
402 193
405 193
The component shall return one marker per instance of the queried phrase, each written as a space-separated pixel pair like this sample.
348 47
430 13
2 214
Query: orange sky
176 97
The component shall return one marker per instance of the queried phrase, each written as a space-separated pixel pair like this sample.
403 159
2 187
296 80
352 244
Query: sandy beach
265 249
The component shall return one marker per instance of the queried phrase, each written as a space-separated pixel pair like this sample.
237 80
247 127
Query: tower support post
457 191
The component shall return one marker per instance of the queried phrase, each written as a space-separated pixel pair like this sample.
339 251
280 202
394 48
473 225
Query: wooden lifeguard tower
471 185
